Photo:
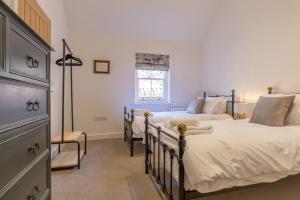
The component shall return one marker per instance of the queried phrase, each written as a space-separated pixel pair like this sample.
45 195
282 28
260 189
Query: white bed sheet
138 125
239 153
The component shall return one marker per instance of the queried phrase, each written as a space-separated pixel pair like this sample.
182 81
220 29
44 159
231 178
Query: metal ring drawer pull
29 106
34 194
34 148
33 106
31 62
36 106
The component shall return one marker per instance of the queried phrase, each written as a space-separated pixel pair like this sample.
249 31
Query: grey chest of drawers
24 111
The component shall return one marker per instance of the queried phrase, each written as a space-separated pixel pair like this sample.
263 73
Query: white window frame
153 100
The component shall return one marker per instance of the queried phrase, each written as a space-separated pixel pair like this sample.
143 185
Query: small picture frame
101 67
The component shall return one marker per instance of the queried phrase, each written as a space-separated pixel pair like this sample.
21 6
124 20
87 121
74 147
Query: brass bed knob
182 128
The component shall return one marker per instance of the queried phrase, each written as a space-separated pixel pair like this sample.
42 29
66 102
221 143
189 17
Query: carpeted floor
108 173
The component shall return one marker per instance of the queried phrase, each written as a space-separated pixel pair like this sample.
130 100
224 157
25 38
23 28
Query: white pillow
293 116
209 106
223 106
215 105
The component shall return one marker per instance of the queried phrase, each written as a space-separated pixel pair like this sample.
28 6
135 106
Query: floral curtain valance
152 62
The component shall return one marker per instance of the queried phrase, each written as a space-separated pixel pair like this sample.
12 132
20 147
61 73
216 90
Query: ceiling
172 20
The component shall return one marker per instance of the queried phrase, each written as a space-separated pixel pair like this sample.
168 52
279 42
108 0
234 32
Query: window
152 86
151 78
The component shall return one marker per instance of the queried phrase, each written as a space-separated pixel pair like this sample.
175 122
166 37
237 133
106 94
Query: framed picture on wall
101 67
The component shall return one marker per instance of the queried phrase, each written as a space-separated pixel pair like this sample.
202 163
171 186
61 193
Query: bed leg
131 147
146 142
78 154
232 102
181 143
131 133
85 142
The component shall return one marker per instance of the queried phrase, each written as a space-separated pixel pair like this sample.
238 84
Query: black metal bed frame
156 151
153 146
129 118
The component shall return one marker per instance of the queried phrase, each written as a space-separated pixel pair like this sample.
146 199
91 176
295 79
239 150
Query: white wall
55 11
105 95
250 45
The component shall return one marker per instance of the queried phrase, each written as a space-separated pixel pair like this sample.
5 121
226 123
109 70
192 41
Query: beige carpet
108 173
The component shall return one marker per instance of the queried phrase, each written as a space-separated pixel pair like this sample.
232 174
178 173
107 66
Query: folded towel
198 128
202 126
187 122
194 131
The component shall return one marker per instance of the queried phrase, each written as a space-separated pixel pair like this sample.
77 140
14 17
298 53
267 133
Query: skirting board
90 137
95 136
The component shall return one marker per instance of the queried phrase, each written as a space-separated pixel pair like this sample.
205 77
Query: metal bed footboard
128 132
156 151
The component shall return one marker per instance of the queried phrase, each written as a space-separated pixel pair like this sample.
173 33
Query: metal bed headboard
231 96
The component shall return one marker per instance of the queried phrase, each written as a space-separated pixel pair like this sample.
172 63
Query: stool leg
85 142
131 148
78 155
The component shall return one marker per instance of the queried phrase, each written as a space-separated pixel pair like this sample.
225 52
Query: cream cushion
293 116
272 110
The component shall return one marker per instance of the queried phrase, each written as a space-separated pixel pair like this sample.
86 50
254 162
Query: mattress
238 153
138 125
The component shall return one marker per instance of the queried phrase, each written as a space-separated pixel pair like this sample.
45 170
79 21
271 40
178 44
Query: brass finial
270 90
146 114
181 129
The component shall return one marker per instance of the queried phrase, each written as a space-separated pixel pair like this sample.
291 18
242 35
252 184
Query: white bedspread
239 153
138 125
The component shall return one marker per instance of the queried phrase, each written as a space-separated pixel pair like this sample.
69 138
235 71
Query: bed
237 155
134 125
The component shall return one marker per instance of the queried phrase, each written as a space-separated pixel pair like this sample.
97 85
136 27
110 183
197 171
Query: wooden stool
68 159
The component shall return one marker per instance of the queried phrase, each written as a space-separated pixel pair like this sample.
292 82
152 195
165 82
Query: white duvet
239 153
138 125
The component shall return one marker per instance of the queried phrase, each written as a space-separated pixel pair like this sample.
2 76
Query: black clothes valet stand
68 159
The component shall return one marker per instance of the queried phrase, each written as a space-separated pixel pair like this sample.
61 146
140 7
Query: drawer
26 57
20 102
32 186
21 150
2 41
